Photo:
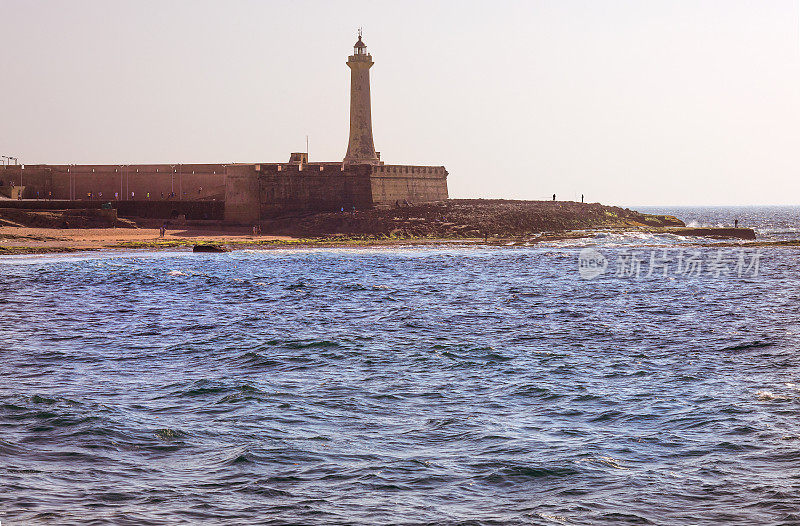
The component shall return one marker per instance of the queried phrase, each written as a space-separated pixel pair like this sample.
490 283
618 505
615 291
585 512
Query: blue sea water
454 385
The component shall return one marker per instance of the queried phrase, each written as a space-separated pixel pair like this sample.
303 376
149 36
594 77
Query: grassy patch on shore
161 243
22 250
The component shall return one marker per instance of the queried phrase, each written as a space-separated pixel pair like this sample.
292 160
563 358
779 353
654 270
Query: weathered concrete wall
415 184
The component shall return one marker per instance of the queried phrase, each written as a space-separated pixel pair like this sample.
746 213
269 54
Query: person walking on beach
735 223
554 197
163 230
581 198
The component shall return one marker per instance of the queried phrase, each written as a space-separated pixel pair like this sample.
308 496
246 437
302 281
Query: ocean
620 379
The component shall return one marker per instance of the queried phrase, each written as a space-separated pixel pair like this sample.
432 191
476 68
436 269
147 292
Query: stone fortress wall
393 184
261 191
250 192
128 182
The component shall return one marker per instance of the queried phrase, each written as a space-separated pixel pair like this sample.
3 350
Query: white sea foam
619 239
554 518
73 257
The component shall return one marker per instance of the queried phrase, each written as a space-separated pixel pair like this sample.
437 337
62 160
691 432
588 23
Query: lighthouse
360 149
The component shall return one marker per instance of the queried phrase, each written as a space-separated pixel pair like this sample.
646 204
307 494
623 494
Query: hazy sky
628 102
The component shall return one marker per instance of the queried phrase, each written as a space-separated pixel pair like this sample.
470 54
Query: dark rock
210 248
717 232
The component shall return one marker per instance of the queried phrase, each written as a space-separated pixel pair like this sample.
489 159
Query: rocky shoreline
458 221
464 218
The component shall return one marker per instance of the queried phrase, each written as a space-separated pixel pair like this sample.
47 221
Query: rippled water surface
396 386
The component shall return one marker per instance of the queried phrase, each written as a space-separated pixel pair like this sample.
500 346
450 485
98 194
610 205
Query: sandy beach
33 240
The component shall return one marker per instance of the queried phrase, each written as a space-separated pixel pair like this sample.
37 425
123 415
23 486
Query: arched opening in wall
173 214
